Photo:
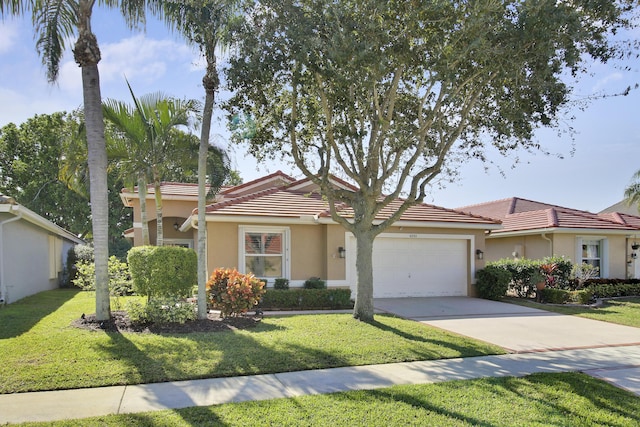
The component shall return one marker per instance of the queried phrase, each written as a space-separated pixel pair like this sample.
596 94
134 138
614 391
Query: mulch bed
120 322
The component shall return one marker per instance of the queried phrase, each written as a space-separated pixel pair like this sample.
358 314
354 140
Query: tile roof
286 202
519 214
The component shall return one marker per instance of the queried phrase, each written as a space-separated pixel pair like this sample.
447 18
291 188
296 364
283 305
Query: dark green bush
554 296
163 271
614 290
306 299
162 310
493 282
563 296
522 272
315 283
281 283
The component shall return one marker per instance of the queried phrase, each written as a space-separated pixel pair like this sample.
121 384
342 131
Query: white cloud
605 81
142 58
8 35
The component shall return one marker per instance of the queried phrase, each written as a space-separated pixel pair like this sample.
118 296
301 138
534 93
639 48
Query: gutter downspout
544 236
3 283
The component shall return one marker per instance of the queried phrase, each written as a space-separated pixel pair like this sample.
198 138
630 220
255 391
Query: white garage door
418 267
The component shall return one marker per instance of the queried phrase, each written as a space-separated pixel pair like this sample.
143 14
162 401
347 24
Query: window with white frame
593 252
264 251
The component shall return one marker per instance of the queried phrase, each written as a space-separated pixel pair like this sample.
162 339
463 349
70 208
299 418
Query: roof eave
553 230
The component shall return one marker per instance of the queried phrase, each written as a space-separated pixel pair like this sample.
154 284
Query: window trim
179 242
286 242
604 252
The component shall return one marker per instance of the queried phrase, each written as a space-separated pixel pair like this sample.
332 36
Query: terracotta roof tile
521 214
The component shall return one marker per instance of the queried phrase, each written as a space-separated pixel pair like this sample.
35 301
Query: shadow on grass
22 315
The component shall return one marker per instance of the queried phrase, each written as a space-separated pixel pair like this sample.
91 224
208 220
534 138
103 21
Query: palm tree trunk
97 159
207 113
159 228
142 193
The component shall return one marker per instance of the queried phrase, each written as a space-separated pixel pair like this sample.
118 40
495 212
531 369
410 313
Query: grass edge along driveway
40 350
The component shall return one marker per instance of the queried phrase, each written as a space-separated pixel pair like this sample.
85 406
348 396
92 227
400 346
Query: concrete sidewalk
620 365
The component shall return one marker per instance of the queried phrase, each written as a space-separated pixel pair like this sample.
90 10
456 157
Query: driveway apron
517 329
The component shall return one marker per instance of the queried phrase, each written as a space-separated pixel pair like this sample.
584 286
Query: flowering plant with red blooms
233 293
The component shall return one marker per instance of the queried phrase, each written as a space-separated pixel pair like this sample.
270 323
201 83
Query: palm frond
54 22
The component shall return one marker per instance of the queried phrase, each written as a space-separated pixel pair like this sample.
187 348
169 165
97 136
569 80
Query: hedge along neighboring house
536 230
277 226
33 251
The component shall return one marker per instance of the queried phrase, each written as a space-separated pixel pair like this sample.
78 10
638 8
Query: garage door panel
419 267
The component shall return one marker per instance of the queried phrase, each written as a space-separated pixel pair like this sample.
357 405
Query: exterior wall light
176 225
479 254
342 252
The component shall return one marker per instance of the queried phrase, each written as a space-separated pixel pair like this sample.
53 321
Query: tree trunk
159 228
97 159
142 193
363 308
202 203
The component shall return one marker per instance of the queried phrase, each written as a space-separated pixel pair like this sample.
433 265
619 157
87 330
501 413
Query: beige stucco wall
562 244
172 211
314 248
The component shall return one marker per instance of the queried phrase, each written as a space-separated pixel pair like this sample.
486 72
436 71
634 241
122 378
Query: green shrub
582 296
493 282
84 253
562 272
555 296
70 269
281 283
161 310
614 290
522 273
315 283
163 271
307 299
233 293
119 278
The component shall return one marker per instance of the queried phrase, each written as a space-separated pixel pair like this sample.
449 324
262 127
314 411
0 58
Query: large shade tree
146 142
205 23
56 22
387 93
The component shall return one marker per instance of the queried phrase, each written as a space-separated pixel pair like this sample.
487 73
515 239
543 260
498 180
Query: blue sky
605 147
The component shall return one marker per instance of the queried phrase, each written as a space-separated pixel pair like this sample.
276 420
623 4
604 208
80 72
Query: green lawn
622 311
569 399
40 350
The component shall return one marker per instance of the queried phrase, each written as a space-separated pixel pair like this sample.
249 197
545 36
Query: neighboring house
33 252
536 230
277 226
622 207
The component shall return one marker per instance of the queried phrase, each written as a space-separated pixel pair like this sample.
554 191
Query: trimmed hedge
614 290
307 299
562 296
163 271
493 282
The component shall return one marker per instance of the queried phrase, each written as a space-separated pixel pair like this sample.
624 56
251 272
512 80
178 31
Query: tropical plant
205 23
55 23
632 192
232 292
392 95
146 141
584 272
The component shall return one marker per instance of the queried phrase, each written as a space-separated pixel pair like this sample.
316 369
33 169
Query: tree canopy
388 94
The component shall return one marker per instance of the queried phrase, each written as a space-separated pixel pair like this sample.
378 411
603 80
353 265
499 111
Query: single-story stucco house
33 251
277 226
536 230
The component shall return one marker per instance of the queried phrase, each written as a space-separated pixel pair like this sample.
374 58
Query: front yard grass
568 399
40 350
621 311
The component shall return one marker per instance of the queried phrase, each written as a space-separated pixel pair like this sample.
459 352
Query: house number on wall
413 236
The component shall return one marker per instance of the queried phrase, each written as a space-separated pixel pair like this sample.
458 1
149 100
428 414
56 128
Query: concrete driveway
515 328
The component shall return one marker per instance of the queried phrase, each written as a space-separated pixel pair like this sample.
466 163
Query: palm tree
147 141
632 192
205 24
55 22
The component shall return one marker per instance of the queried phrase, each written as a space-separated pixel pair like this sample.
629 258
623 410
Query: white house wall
26 261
